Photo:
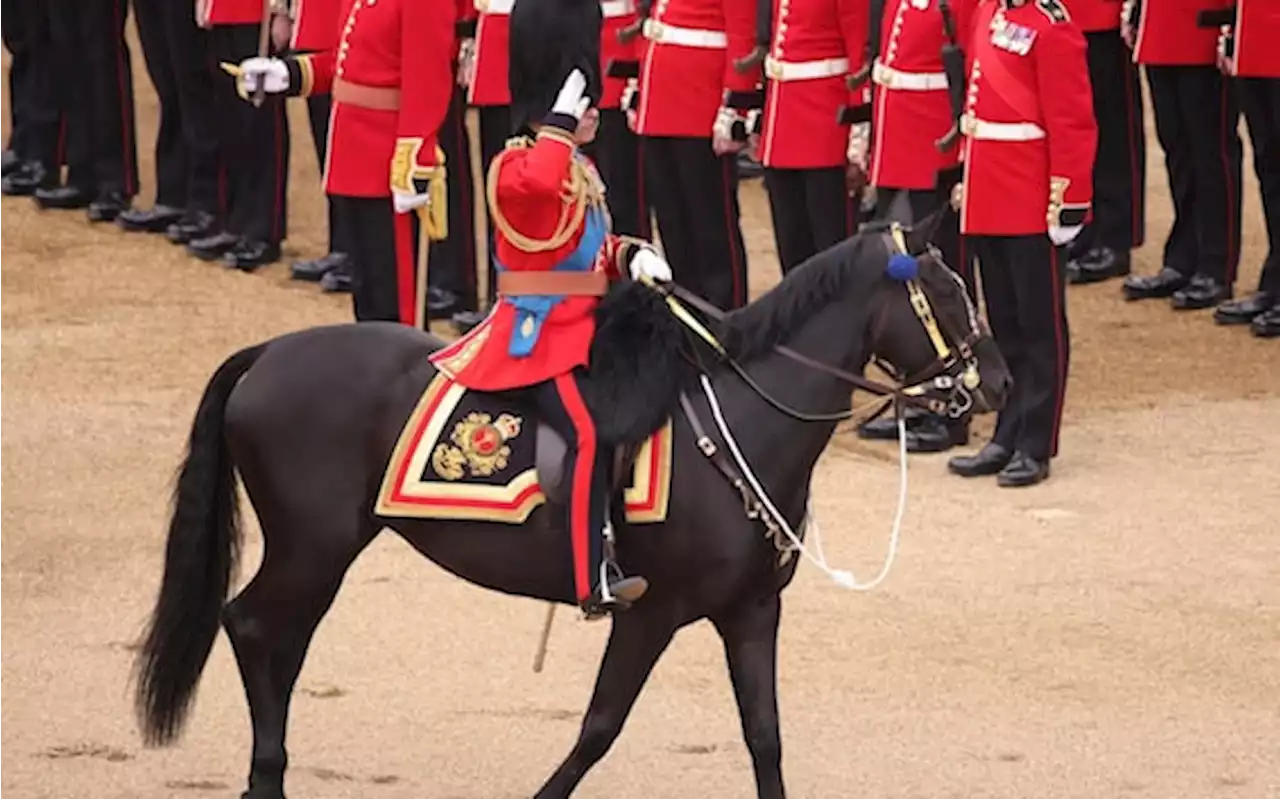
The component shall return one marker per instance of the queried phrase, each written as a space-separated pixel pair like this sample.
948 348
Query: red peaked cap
549 39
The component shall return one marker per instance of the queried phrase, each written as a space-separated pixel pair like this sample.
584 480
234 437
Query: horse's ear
920 235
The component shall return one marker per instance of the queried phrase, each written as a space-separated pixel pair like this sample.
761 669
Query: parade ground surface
1114 632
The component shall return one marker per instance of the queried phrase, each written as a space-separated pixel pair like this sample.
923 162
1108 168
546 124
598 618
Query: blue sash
532 309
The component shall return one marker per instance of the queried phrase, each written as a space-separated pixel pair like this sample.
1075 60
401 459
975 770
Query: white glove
570 100
466 63
405 202
1061 236
1126 22
648 263
269 73
859 144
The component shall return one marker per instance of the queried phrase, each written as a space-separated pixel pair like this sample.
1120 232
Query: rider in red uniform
554 256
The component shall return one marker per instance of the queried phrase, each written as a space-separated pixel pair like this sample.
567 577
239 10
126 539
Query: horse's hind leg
638 638
270 625
750 633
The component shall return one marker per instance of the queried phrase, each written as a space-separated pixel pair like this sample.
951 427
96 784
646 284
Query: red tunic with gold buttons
687 64
493 41
813 47
1255 49
530 193
397 45
912 107
1028 120
617 14
228 12
316 24
1095 15
1167 32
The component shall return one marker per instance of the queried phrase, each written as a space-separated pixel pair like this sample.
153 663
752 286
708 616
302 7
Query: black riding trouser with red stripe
1024 284
95 80
811 211
560 405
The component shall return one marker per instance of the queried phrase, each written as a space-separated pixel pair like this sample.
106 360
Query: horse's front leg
638 638
750 634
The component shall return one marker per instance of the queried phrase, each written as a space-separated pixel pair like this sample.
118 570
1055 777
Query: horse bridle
945 387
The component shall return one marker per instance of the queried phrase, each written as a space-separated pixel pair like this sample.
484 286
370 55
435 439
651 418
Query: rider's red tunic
531 191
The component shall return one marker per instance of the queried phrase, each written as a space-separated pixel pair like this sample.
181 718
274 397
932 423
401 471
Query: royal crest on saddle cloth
469 455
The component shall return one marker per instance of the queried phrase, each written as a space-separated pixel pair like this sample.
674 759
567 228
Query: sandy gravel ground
1115 632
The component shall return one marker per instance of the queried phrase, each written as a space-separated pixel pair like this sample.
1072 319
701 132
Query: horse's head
927 333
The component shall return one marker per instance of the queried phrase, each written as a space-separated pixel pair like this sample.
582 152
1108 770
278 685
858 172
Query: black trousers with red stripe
1120 169
1260 100
318 108
254 142
1196 116
559 404
495 128
695 199
382 246
1024 284
175 49
618 156
35 130
95 82
909 206
454 265
811 211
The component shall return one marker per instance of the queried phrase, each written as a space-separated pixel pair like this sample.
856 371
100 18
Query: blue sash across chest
532 309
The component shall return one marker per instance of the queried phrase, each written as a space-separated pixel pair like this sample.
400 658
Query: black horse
312 469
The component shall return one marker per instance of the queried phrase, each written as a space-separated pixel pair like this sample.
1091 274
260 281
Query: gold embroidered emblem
479 447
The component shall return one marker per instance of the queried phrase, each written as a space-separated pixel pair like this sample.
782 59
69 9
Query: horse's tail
200 557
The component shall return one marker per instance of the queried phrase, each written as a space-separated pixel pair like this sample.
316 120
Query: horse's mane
831 274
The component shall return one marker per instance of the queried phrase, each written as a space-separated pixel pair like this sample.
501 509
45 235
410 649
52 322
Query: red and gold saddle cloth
475 456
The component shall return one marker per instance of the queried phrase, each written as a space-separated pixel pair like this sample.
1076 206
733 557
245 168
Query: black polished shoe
1022 470
442 304
1202 292
194 225
1267 325
936 434
466 321
1097 265
27 179
249 255
987 461
336 282
885 428
1150 287
108 206
748 167
622 594
213 247
63 198
1243 310
11 162
155 219
315 270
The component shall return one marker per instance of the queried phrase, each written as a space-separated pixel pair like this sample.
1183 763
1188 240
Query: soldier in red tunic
555 255
390 79
1101 251
1197 116
813 47
683 115
311 26
254 142
1029 146
1249 51
902 152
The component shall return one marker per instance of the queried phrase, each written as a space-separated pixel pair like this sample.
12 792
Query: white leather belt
775 69
662 33
496 7
981 129
891 78
612 9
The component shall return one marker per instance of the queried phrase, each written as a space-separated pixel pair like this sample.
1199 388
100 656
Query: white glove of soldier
466 63
648 264
722 140
628 103
1061 236
859 144
1126 22
269 73
570 100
